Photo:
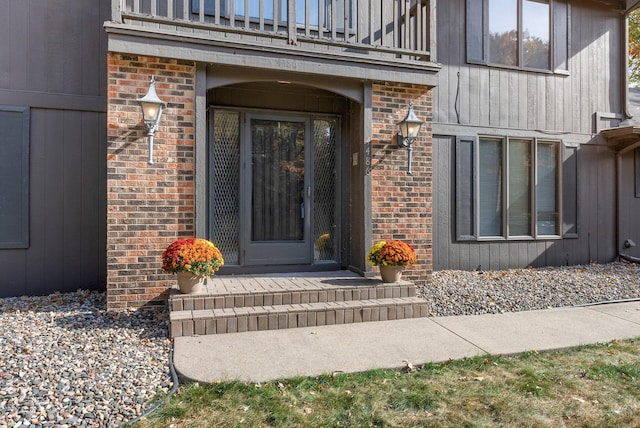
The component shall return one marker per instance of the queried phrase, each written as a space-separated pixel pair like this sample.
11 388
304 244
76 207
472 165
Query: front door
277 191
273 188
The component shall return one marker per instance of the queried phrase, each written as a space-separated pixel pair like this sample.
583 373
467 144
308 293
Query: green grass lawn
591 386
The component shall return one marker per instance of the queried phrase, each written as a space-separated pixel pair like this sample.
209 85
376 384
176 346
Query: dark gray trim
637 171
570 189
466 176
14 200
222 75
53 100
192 47
465 197
475 31
560 35
569 138
367 204
201 150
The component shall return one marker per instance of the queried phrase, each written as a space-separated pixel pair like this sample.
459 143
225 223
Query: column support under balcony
201 149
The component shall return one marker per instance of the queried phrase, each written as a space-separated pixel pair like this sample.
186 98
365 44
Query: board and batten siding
473 99
595 207
630 201
505 99
53 61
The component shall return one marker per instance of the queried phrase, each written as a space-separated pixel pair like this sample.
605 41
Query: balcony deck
365 37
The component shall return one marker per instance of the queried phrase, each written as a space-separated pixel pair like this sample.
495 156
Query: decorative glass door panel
325 177
277 207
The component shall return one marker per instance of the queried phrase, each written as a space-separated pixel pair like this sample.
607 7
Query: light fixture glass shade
151 105
410 125
151 111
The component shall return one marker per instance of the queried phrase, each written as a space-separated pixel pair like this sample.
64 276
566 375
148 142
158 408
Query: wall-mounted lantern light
408 129
152 107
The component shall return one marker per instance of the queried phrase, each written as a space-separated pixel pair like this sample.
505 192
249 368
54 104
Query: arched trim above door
218 76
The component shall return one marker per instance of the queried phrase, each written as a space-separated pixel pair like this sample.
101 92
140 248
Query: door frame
310 264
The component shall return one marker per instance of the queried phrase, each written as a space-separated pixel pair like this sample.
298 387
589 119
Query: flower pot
391 274
190 283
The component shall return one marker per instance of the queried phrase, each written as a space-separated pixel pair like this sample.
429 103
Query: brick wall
401 203
148 206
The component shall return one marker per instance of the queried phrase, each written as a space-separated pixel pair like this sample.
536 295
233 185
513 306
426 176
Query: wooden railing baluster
401 27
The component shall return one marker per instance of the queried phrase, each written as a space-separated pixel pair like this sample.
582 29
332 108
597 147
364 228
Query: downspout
624 24
618 181
627 115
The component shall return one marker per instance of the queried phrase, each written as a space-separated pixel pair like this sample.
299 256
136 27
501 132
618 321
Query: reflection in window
535 34
519 39
503 32
511 163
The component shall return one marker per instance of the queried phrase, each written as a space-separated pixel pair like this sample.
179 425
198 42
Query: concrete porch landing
241 303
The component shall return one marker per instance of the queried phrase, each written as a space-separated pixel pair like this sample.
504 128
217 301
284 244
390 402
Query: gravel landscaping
494 292
65 361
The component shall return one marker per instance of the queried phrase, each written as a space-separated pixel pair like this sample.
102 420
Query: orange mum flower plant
392 253
198 256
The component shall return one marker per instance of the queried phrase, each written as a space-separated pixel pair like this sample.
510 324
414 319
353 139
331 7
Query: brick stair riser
186 303
202 323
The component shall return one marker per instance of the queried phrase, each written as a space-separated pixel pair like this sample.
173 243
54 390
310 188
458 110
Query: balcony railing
399 29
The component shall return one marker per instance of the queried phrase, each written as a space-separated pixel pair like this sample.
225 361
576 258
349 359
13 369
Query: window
517 183
527 34
14 176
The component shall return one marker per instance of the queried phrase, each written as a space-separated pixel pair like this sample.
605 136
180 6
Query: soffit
622 139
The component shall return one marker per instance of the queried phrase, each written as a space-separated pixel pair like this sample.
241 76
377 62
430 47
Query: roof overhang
622 139
631 5
622 6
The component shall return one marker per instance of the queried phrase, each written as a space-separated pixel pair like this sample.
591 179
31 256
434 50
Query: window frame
474 191
477 37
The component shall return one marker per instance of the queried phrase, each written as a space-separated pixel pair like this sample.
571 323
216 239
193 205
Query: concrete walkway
266 355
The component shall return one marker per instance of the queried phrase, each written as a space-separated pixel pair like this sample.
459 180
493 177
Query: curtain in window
490 194
277 177
519 213
547 189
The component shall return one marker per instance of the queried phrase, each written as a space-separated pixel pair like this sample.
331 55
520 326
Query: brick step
257 318
239 299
